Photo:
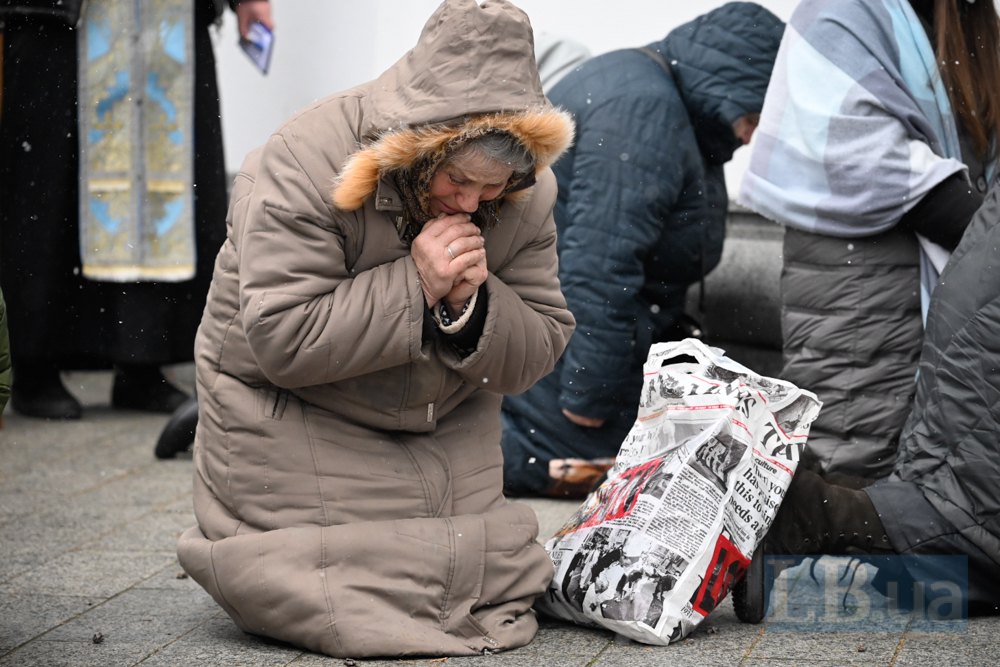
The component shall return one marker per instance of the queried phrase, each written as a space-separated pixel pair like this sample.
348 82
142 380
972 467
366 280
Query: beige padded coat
348 467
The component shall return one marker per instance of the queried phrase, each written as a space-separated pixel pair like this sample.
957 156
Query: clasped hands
451 261
253 11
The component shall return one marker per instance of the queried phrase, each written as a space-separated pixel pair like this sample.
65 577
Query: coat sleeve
307 319
631 163
527 323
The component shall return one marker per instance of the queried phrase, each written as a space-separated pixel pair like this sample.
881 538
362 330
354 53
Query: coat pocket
271 403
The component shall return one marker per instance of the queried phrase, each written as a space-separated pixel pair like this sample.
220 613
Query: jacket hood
472 71
722 63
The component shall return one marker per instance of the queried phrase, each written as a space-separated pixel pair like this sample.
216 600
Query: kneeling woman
356 345
943 496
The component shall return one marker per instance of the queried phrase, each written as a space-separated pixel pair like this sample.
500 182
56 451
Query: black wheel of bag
178 435
750 592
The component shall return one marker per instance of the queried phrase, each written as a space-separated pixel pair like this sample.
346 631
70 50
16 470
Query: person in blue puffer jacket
641 216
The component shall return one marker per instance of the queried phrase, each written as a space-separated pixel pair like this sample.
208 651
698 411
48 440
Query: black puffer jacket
950 448
641 214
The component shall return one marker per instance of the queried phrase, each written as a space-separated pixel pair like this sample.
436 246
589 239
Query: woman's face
460 184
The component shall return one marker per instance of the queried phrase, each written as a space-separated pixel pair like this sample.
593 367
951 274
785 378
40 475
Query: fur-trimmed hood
472 70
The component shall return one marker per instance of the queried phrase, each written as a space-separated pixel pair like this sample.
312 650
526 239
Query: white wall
322 46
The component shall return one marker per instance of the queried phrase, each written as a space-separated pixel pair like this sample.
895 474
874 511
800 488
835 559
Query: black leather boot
143 387
38 391
817 517
178 435
810 461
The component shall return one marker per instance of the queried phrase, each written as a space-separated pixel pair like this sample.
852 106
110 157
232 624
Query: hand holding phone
258 45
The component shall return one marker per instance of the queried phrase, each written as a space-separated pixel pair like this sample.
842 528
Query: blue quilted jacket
641 213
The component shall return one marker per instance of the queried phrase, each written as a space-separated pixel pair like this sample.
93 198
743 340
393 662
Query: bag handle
662 353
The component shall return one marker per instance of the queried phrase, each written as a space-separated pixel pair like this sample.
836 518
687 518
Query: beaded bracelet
444 321
445 317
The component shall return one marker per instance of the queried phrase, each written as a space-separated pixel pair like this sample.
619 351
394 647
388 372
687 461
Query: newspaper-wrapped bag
695 486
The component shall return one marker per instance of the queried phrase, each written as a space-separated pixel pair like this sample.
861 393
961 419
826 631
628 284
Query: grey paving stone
133 625
315 660
672 655
86 513
154 531
218 641
182 506
107 439
75 654
173 578
38 539
144 488
20 501
91 573
844 648
813 662
984 627
55 482
719 639
17 559
920 651
24 616
555 645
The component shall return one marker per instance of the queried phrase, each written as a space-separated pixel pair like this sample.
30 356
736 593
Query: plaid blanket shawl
856 126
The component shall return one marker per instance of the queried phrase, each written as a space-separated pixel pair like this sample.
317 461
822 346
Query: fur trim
546 134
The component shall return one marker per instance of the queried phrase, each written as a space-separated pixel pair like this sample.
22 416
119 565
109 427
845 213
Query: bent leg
535 433
356 542
451 586
915 526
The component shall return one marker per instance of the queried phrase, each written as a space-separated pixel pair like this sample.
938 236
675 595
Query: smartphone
258 45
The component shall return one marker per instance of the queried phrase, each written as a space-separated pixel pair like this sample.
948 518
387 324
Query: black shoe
817 517
144 388
39 392
178 435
